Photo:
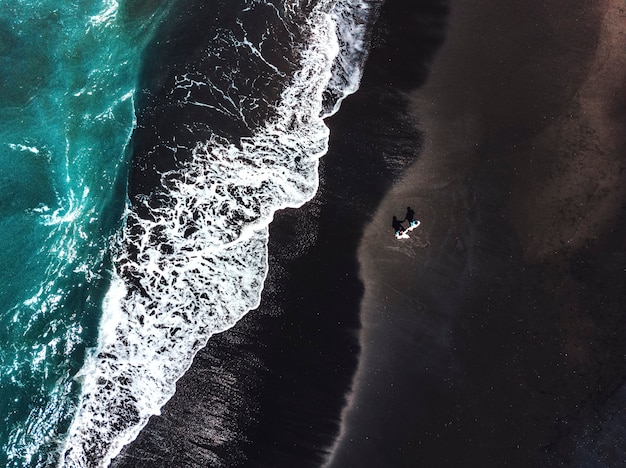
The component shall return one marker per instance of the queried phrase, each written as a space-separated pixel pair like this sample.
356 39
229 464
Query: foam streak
197 265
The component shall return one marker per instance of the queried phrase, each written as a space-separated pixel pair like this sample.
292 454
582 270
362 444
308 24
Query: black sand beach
494 336
270 391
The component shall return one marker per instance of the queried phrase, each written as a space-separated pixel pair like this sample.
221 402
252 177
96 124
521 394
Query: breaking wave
196 263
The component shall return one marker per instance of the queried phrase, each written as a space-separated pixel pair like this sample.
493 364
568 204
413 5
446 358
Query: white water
202 258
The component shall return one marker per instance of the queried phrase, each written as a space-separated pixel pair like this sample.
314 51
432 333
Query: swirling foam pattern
67 113
193 263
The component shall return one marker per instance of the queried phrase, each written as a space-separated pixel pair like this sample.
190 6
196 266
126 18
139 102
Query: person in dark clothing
397 225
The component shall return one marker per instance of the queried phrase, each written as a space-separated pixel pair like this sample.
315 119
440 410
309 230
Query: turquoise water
69 72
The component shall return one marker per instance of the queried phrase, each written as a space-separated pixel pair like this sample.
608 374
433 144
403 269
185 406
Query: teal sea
69 73
145 146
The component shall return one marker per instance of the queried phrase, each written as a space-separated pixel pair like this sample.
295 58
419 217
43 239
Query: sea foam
196 264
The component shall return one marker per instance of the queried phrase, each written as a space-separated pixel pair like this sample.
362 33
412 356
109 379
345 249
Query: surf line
208 277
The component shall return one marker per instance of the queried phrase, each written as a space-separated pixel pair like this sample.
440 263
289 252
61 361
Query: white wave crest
198 264
351 20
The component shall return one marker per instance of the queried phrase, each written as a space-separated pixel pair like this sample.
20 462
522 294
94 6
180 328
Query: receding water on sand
109 295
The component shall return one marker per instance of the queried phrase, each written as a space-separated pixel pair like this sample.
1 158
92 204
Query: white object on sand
403 234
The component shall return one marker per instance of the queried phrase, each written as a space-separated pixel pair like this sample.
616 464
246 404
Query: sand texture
495 336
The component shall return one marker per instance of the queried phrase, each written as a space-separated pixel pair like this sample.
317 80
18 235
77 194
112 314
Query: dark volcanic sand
269 392
495 336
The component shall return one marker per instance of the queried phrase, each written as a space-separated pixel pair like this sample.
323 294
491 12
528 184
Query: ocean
145 149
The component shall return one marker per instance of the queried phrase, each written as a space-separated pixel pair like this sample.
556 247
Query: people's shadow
410 215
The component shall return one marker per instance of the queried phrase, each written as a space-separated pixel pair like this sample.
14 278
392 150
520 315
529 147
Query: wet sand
494 335
269 392
485 341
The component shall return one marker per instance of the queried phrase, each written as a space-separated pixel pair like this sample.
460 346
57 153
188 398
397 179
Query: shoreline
269 390
488 345
472 332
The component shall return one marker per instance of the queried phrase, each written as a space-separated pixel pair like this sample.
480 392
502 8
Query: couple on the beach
398 227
